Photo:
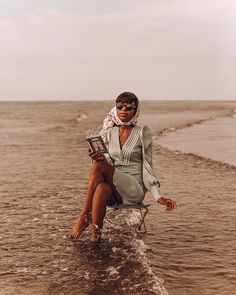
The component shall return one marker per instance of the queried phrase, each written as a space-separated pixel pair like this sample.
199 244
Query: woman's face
124 114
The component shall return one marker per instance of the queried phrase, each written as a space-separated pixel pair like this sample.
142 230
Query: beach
44 172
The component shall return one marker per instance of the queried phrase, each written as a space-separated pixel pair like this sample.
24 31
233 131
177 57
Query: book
96 144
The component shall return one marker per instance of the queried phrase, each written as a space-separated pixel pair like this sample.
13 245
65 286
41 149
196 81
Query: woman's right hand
170 204
96 156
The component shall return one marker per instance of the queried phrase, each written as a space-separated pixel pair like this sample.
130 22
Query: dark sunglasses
128 106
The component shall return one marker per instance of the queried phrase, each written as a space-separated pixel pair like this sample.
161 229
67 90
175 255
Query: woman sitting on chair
127 175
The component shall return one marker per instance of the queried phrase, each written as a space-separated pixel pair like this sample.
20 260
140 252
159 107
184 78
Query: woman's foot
96 234
82 222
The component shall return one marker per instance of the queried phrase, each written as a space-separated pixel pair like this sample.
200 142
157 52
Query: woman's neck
125 127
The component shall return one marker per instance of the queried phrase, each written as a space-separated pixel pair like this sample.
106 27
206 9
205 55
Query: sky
90 49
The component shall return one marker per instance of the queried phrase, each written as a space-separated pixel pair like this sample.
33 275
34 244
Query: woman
127 175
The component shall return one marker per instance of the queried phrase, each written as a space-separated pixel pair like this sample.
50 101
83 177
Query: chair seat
140 206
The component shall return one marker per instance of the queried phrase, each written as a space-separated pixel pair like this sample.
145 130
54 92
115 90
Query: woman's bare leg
100 173
95 177
100 198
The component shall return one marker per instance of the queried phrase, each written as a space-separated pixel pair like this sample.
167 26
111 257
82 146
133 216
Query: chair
140 206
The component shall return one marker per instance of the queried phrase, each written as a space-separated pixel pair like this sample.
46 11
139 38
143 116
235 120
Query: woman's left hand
170 204
96 156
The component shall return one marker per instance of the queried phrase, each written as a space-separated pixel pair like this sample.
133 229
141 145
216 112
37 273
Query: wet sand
43 176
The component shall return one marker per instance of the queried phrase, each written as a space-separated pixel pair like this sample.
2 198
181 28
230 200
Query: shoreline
167 131
197 122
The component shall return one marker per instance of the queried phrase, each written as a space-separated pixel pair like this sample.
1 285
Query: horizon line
96 100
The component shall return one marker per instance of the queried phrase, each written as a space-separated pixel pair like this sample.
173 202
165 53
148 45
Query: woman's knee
99 166
96 166
103 189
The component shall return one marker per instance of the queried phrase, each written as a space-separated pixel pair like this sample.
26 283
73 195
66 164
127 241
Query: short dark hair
128 97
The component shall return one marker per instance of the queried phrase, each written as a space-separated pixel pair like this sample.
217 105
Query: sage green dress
133 175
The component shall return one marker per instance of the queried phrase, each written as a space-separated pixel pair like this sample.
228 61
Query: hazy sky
96 49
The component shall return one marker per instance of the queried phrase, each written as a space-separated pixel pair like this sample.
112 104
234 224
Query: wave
125 268
125 225
213 140
79 118
67 123
165 131
57 128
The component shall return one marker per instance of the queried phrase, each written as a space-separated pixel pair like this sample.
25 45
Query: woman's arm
149 179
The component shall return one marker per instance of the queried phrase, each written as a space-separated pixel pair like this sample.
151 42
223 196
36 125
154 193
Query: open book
97 145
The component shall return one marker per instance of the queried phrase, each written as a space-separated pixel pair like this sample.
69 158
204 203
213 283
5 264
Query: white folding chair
142 207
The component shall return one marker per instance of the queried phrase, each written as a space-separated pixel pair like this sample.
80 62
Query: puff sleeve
149 179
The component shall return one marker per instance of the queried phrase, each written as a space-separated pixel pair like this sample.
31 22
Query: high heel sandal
96 234
83 221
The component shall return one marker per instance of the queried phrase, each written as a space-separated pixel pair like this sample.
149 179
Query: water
213 139
43 178
43 175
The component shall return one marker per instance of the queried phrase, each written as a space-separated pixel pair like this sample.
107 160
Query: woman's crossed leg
100 189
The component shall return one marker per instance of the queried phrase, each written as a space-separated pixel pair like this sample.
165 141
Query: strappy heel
96 234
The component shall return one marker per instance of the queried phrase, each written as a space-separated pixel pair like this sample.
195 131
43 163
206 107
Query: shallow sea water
214 139
44 170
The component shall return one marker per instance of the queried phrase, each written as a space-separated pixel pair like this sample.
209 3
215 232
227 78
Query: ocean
214 139
43 175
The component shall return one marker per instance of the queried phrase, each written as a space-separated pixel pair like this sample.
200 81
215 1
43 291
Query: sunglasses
128 106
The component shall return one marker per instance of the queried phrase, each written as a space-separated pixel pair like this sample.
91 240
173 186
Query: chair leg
143 215
142 222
